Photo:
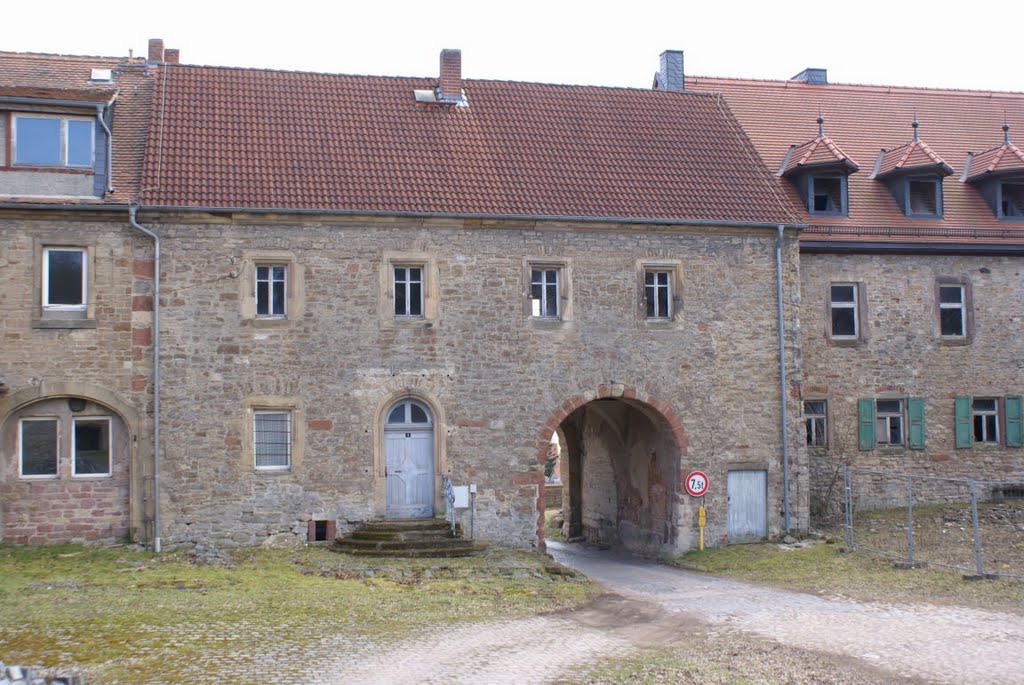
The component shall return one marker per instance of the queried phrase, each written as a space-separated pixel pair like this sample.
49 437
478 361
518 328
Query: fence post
848 506
910 522
977 531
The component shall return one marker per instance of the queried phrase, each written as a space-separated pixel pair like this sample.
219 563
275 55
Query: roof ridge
860 87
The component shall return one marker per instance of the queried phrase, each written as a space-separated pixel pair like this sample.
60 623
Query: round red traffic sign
697 483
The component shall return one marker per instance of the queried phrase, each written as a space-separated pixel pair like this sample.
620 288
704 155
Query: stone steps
407 538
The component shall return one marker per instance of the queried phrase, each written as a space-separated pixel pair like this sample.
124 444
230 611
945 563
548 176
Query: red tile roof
818 152
247 138
67 77
865 119
911 157
1006 158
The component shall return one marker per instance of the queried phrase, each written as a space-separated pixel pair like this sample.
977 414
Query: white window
53 141
272 439
816 419
408 289
951 311
986 420
545 292
64 278
843 306
889 422
271 290
37 447
658 294
91 446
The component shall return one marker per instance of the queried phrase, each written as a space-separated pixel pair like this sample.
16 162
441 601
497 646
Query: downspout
100 111
782 382
132 209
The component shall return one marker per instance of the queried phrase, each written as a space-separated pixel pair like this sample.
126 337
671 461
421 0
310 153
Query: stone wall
493 376
901 354
104 358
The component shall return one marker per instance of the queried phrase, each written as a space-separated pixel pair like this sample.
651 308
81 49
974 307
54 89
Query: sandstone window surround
988 420
409 290
845 315
274 436
954 315
890 422
65 287
816 422
659 293
547 297
272 289
53 141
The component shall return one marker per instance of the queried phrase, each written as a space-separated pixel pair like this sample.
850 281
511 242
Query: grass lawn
126 616
821 569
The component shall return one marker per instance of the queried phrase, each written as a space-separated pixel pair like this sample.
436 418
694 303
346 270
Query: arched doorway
620 474
409 460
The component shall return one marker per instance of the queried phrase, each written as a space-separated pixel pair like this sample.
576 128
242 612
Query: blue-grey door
748 505
409 461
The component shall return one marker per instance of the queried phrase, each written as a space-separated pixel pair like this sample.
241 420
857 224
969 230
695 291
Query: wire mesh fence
975 526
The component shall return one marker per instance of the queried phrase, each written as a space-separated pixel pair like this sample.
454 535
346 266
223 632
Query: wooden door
409 459
748 505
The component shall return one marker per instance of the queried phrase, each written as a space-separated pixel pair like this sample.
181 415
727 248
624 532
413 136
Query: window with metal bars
272 439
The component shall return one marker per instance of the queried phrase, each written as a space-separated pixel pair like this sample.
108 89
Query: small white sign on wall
461 494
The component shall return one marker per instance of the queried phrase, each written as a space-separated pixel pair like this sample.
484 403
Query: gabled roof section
866 119
914 157
999 161
817 154
54 78
259 139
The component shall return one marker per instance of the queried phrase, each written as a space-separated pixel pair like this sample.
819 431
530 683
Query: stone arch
660 415
139 446
440 443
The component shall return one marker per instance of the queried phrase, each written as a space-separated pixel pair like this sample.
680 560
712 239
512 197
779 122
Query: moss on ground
130 616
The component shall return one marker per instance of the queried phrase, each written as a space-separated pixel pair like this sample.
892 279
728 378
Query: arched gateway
621 469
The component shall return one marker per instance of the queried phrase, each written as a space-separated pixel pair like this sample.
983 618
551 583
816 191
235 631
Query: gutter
854 247
101 110
156 372
782 382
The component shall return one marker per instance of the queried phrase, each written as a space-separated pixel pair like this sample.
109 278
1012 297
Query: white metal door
410 473
748 505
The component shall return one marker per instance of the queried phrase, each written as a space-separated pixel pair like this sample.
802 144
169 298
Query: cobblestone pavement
938 643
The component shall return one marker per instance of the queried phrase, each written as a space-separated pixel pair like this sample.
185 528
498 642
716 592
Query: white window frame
270 281
886 419
539 307
290 432
984 414
46 280
56 454
406 287
656 288
74 447
961 306
854 306
63 143
810 419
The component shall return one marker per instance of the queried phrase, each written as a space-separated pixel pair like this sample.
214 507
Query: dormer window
53 141
827 195
1011 199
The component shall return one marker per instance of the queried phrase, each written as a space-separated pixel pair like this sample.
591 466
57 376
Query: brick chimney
670 72
171 55
156 50
451 75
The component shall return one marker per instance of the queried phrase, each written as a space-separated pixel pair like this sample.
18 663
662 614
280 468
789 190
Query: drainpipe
132 209
782 382
101 110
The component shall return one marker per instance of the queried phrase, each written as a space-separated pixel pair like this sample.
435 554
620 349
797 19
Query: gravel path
937 643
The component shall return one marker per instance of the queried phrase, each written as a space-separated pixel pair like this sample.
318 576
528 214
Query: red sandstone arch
659 411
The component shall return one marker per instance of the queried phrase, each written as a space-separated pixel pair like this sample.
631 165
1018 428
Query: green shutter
866 424
964 438
1012 403
915 416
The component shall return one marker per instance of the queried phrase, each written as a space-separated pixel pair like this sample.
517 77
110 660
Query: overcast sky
613 44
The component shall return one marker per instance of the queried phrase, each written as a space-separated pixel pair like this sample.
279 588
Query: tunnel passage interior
619 465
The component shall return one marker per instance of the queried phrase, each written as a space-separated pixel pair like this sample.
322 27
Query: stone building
369 283
911 270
